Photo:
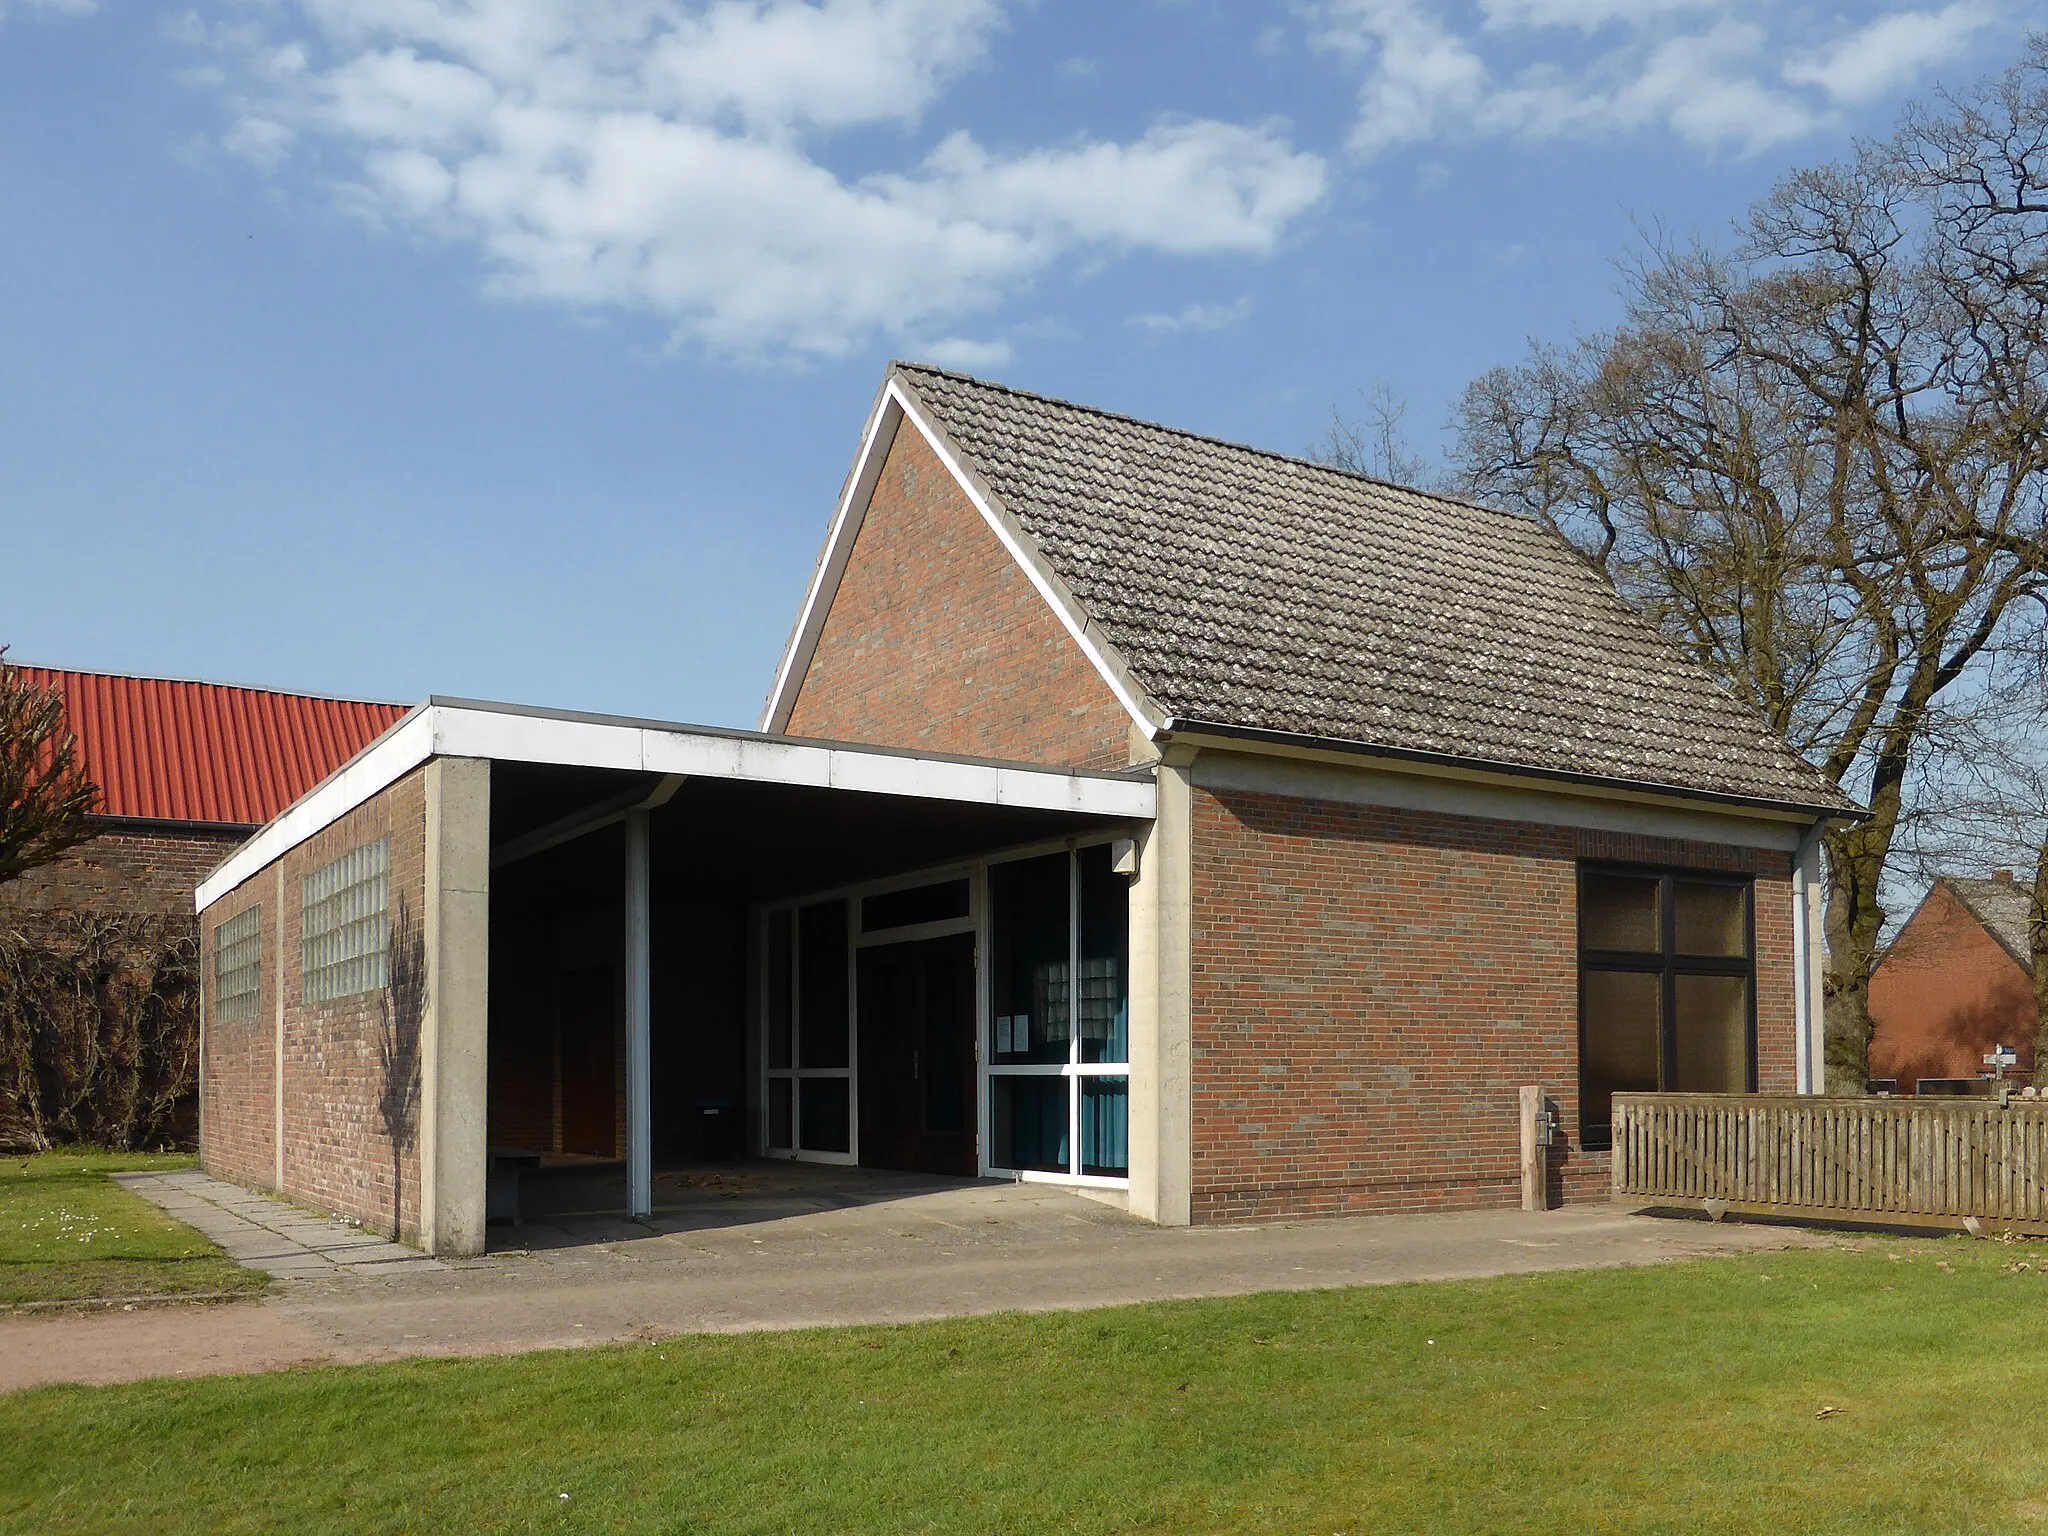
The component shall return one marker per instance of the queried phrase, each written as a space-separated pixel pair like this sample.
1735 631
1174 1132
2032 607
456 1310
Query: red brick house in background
1955 982
1223 833
186 771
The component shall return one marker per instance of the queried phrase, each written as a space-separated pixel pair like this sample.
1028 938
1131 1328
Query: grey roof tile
2002 906
1246 589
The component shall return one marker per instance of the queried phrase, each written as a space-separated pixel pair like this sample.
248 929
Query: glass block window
345 934
237 966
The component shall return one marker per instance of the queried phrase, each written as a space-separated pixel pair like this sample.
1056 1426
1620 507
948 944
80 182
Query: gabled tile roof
2002 907
162 750
1249 590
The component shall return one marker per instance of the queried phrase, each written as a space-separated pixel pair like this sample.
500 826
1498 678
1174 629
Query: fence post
1535 1154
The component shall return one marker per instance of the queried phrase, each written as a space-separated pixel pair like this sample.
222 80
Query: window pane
921 904
1713 1034
1619 912
1028 935
825 1123
1105 958
1711 919
1105 1125
821 985
775 988
1623 1022
946 1066
1028 1122
778 1113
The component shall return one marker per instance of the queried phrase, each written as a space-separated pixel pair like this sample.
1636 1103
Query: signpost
2001 1059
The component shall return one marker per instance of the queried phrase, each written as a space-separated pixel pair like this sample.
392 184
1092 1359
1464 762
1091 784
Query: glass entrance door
915 1005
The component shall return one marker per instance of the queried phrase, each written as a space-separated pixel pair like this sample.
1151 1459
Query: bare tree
1375 443
1818 458
45 796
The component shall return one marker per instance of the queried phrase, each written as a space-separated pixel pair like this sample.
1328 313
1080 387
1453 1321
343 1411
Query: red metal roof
174 751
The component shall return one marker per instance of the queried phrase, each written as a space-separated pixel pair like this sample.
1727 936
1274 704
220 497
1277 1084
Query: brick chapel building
1225 834
1955 983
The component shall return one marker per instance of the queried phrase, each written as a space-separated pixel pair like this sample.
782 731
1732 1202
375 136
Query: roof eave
1180 727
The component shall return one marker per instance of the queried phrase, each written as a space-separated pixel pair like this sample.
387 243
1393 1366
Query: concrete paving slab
268 1234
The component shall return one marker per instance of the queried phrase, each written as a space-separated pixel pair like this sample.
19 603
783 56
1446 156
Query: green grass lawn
69 1233
1682 1398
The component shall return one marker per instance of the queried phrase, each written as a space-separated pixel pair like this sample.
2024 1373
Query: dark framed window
1667 987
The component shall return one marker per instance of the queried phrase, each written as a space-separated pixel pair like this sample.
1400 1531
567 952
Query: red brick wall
129 867
1945 995
1372 986
338 1155
937 639
238 1067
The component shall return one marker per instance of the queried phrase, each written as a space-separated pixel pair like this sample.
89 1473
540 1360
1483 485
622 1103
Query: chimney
2002 876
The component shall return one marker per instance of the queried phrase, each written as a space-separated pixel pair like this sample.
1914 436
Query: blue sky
517 348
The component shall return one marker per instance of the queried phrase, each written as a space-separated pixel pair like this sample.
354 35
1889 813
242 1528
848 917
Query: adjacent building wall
1372 983
1945 993
338 1153
149 868
238 1059
936 640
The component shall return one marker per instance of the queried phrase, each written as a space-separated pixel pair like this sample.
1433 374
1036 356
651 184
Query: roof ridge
207 682
1106 414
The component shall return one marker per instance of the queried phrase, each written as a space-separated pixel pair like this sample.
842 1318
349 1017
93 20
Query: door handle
913 1066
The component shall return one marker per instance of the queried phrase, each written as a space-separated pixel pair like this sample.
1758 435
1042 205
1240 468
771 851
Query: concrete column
1162 958
639 1107
1809 948
455 1021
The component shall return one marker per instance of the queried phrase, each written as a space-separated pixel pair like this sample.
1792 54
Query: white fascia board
880 436
726 757
871 773
382 764
897 404
444 730
514 738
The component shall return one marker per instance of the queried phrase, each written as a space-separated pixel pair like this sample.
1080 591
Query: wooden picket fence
1905 1162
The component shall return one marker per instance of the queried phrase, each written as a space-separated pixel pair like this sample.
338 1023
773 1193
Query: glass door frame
856 940
975 872
1073 1070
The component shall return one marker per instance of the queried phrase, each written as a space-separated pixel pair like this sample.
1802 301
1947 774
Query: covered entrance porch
802 952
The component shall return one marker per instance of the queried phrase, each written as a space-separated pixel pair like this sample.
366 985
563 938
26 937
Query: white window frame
1073 1069
976 922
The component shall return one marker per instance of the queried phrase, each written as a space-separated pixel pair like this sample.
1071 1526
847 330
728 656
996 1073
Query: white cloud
60 10
1706 71
1891 52
666 155
1197 317
967 356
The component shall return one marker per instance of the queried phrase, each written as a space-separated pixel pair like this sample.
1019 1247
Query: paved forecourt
734 1252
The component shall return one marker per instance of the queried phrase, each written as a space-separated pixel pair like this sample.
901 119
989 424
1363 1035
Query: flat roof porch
590 961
